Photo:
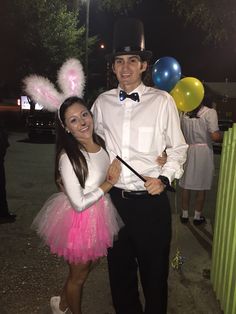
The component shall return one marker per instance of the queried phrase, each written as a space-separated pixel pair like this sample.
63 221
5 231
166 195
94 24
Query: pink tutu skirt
78 237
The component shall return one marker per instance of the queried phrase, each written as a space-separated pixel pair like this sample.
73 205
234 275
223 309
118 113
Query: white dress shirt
80 198
139 132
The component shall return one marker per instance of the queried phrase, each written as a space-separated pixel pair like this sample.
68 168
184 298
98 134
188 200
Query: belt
128 194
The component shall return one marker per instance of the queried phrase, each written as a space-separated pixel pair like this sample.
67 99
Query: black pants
3 197
144 245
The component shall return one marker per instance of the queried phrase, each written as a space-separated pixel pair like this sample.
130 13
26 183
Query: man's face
128 70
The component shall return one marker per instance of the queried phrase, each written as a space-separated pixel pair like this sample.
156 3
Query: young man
138 123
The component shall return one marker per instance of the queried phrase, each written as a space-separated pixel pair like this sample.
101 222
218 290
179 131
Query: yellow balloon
188 94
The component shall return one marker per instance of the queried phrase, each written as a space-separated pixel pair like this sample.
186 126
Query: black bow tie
133 96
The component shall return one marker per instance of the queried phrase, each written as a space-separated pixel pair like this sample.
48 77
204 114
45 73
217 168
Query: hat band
128 49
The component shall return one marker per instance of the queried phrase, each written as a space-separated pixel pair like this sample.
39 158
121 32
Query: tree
217 18
111 5
39 36
121 6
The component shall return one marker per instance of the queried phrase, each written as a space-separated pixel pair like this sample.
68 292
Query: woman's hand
161 160
216 137
113 172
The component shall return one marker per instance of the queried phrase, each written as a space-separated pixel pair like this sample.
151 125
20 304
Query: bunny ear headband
70 79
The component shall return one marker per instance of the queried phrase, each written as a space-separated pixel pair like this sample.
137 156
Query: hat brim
145 55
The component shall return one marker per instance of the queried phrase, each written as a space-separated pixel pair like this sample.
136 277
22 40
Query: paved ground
29 275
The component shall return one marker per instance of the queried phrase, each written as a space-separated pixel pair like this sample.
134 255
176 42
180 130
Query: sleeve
212 120
73 189
97 118
176 147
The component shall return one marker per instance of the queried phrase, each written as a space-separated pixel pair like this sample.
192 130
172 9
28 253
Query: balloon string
176 213
178 259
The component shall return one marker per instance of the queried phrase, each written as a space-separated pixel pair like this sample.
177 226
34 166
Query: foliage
53 32
216 17
44 34
119 6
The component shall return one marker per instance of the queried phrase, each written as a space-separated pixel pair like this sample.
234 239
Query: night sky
167 35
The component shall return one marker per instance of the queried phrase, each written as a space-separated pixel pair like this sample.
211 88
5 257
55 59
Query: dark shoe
7 215
11 215
198 222
8 218
183 220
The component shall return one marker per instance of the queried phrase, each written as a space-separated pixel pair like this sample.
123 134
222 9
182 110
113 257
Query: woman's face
79 122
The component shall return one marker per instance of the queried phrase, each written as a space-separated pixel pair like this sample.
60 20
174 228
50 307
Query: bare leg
63 303
185 199
200 200
71 295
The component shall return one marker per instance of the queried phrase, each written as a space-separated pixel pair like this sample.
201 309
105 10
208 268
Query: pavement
30 275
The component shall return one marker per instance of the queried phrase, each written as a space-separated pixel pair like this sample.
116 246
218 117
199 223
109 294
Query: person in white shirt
79 223
200 129
138 123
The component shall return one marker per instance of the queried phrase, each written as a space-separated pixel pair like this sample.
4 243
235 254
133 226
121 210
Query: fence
223 270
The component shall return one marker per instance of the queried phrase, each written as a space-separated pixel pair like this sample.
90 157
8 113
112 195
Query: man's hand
154 186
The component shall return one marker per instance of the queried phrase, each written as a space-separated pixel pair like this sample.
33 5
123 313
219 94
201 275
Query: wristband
166 182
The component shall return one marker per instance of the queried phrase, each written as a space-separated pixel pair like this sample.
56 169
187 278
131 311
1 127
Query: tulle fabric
78 237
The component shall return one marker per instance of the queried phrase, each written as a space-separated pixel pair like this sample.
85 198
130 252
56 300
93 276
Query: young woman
200 129
79 223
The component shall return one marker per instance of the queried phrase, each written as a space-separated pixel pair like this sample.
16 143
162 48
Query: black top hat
129 39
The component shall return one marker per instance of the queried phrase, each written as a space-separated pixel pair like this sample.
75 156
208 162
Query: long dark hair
207 101
194 113
66 142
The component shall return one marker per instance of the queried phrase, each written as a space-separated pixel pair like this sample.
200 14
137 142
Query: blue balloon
166 72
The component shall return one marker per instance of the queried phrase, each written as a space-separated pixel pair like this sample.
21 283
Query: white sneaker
54 303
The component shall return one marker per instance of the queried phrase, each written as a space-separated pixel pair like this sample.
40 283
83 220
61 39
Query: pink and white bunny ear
71 78
42 91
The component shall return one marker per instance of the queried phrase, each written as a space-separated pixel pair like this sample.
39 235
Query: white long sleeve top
97 169
139 132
